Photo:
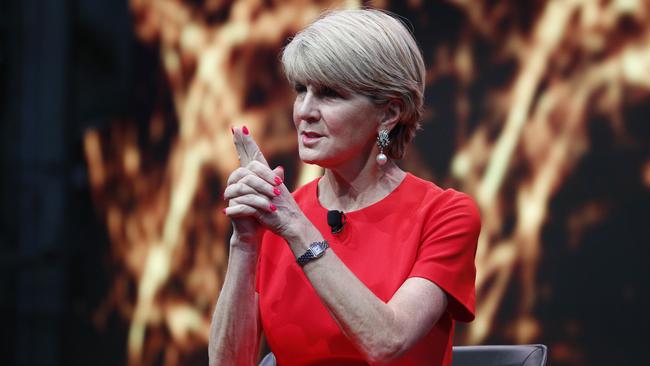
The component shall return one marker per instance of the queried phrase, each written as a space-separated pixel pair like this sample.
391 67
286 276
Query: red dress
418 230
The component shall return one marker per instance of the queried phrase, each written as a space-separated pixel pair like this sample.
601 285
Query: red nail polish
276 191
278 181
245 130
224 211
272 207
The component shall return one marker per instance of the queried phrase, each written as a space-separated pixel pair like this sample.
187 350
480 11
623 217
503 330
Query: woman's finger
251 184
237 175
254 200
256 169
238 211
247 147
264 172
279 171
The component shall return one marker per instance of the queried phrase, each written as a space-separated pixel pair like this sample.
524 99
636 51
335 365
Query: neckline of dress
371 206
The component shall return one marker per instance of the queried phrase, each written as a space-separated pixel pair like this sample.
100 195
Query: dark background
70 66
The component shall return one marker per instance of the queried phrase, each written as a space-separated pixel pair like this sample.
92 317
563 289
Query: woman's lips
310 138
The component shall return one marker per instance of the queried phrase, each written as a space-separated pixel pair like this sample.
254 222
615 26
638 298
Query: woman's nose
307 107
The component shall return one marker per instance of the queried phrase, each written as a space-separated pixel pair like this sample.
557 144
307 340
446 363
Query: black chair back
523 355
268 360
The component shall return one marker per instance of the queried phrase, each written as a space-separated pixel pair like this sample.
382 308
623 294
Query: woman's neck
350 188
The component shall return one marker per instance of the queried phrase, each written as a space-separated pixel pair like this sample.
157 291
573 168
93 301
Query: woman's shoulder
430 194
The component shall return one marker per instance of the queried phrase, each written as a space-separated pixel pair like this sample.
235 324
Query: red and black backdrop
116 146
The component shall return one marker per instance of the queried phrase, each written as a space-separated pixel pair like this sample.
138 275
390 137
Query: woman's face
334 127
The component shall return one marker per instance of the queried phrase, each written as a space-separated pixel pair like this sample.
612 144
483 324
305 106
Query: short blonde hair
363 51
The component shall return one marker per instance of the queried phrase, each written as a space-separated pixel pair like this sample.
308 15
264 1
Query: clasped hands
257 197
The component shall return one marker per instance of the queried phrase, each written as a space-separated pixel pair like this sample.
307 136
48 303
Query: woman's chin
313 159
310 160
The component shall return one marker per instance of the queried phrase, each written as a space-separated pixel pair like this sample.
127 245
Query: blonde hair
363 51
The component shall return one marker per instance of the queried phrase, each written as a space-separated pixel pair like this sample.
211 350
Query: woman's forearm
235 329
366 320
374 326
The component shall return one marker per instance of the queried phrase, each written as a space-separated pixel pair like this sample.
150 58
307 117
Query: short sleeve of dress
447 251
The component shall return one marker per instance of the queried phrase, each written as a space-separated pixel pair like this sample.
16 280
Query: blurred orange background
538 109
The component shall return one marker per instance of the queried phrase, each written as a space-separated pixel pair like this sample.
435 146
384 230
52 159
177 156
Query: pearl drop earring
382 143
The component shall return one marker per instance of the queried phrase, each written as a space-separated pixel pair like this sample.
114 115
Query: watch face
317 250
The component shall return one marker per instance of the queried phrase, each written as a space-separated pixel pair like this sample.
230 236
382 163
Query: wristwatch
315 251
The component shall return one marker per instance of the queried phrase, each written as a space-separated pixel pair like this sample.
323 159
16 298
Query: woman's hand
247 231
249 197
257 196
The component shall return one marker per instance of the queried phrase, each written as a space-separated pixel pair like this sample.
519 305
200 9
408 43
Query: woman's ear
392 114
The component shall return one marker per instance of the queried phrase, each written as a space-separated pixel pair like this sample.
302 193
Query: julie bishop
386 288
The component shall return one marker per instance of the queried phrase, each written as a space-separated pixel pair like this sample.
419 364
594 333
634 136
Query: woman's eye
299 88
330 93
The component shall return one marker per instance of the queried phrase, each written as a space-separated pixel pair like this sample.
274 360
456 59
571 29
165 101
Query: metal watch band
316 250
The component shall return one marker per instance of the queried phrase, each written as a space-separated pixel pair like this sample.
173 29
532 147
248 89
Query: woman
387 287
